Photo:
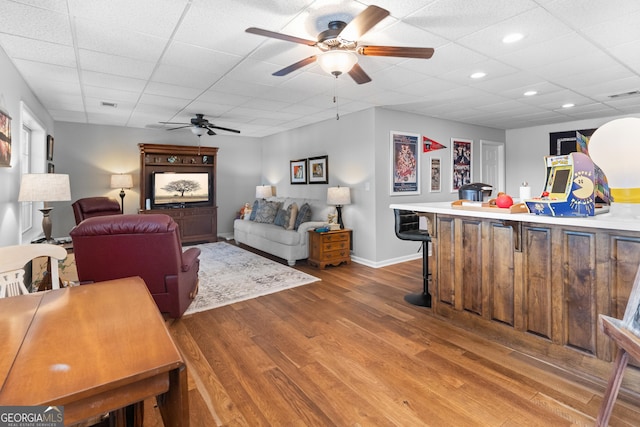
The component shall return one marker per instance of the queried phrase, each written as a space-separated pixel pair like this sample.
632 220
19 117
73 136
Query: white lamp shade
615 148
337 62
122 180
44 187
338 196
263 191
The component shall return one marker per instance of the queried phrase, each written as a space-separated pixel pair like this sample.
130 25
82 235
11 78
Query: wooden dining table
92 349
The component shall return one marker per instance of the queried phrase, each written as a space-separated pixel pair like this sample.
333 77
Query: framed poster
461 171
405 163
318 170
5 140
298 171
49 148
436 185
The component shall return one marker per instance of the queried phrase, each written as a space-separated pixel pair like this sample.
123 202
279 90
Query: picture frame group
312 170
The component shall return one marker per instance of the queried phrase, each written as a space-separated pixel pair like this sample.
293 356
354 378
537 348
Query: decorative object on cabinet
45 187
122 181
5 139
461 171
339 196
298 171
49 148
405 163
319 170
197 221
329 247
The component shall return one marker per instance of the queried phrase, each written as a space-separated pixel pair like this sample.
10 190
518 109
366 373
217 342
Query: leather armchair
95 206
149 246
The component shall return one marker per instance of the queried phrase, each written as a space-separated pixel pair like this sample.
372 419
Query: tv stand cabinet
196 224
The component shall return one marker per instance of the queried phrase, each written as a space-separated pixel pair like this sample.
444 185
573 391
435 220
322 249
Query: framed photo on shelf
461 172
405 163
318 170
436 183
298 171
49 147
5 140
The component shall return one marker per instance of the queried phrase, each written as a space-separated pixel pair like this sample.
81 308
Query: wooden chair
14 258
625 334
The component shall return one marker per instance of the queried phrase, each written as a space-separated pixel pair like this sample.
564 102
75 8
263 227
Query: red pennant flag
429 144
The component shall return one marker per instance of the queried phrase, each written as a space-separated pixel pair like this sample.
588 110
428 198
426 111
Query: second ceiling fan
340 47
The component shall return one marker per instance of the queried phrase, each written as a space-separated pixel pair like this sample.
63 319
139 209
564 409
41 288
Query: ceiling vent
624 94
109 104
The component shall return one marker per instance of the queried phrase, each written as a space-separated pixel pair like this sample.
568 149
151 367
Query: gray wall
13 91
90 154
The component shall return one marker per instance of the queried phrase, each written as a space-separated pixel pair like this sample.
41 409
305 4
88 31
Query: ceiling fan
199 126
339 46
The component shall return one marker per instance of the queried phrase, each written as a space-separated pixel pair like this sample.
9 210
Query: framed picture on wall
49 147
436 184
461 172
5 140
51 168
298 171
318 170
405 163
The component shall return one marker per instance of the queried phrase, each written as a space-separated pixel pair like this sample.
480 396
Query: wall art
5 140
461 172
405 163
318 170
298 171
49 147
436 184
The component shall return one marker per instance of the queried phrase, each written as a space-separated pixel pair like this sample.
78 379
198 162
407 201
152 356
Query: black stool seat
408 228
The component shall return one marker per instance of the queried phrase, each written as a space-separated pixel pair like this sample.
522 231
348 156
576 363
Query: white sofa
291 245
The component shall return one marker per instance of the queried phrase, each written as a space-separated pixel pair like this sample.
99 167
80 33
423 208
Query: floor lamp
45 187
122 181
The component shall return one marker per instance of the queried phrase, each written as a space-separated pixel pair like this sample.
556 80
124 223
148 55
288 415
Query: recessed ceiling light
531 93
478 75
569 105
512 38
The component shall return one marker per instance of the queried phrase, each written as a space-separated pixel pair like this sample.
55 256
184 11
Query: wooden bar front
535 283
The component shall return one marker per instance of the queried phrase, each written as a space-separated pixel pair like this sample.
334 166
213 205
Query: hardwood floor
348 351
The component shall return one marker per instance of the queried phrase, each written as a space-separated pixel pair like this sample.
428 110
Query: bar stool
408 228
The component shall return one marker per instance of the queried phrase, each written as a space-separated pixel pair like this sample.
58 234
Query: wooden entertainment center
199 223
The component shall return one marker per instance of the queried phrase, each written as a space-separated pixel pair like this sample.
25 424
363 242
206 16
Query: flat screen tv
181 189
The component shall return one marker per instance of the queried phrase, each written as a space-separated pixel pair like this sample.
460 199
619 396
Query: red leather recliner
149 246
95 206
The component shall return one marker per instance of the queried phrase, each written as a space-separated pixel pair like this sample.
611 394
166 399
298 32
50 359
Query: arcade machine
575 186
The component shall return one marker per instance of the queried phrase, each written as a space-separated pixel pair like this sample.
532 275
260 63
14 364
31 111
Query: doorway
492 165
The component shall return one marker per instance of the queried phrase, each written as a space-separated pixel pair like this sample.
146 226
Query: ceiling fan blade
274 35
403 52
362 23
221 128
295 66
173 123
180 127
210 132
358 75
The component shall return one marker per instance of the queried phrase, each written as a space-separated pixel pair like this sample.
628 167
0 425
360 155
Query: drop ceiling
165 60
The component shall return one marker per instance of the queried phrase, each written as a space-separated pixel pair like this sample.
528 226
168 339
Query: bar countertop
618 217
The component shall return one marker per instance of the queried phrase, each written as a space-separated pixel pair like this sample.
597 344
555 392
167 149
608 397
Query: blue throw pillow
304 215
254 210
281 217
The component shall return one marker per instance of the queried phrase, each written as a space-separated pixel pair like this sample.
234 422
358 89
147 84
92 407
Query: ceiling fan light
337 62
197 130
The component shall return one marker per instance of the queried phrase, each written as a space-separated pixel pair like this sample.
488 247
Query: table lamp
615 148
339 196
122 181
263 191
45 187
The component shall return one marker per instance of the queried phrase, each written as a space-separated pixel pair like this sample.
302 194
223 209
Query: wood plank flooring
348 351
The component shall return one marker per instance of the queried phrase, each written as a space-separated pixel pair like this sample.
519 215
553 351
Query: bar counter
535 283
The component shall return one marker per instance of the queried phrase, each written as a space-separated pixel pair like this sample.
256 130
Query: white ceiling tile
35 23
38 50
116 65
586 13
53 73
183 76
94 78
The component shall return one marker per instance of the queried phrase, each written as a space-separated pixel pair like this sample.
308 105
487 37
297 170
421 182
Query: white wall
13 91
90 154
526 148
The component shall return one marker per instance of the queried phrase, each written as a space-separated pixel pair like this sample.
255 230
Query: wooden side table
329 247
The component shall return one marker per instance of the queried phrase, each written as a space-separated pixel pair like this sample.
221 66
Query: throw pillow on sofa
267 212
304 215
254 210
281 218
290 219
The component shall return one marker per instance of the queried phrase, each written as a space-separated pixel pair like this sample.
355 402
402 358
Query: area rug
230 274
